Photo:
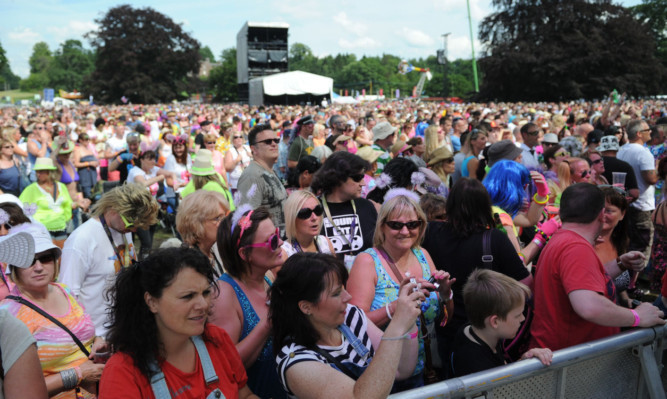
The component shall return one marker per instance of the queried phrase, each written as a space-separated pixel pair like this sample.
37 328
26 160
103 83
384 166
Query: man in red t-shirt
574 291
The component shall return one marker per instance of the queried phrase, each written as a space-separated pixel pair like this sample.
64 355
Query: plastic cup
618 179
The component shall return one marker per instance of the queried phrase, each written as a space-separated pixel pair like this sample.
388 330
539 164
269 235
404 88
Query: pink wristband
637 319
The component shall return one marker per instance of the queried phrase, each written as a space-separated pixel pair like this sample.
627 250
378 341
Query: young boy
494 304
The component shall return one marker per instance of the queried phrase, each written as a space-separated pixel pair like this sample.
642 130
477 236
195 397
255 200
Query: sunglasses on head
562 154
357 177
398 226
48 257
128 224
268 141
271 243
305 213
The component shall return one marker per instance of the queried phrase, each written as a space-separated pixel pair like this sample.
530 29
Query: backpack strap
487 257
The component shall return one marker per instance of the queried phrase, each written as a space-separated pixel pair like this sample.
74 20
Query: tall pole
445 65
472 46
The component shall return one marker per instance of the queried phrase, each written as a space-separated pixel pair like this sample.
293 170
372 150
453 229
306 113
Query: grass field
17 95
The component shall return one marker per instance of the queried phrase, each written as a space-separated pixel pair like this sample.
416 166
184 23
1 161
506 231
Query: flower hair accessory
395 192
29 209
4 216
244 223
417 178
238 215
383 181
182 139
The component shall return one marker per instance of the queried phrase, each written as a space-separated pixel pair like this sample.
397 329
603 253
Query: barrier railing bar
473 385
651 373
560 383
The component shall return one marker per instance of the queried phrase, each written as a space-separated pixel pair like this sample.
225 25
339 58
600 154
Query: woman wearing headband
249 245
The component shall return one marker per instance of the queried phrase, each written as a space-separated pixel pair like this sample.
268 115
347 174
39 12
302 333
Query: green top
210 186
53 214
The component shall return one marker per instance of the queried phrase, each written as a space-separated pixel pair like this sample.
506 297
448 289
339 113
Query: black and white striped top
292 353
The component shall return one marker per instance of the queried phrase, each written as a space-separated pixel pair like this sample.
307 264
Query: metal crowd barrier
627 365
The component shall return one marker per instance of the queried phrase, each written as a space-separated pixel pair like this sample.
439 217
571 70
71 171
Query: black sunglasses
584 173
411 225
533 132
305 213
48 257
357 177
268 141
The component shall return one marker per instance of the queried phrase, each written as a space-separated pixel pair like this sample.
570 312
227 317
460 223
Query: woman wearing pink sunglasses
249 245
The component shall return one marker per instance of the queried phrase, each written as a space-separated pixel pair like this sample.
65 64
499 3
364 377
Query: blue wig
505 183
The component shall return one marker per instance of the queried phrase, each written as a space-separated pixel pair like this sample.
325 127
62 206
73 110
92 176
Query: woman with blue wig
509 184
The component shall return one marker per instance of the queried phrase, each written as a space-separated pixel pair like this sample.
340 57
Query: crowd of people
320 251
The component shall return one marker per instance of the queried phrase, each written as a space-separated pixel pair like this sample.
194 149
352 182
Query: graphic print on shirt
344 222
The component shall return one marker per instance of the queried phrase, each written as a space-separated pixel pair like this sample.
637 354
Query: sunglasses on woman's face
210 143
398 226
305 213
357 177
271 243
48 257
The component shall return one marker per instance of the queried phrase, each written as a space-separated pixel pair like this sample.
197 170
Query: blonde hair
200 181
397 206
193 212
131 200
292 206
210 137
488 293
439 169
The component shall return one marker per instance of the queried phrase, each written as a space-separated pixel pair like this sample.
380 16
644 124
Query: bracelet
637 319
522 257
446 300
543 202
445 316
539 243
400 337
620 264
386 307
69 378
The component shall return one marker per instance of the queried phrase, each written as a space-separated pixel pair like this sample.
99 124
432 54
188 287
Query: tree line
533 50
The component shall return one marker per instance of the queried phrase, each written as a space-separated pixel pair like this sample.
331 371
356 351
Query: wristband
386 307
446 300
119 159
620 264
538 242
637 319
543 202
400 337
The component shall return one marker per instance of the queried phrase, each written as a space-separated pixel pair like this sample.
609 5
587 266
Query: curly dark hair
336 170
132 326
303 277
227 241
400 170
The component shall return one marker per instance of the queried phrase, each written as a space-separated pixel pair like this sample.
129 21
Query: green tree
36 81
222 80
7 78
142 55
71 64
299 52
552 49
3 58
41 58
653 13
206 54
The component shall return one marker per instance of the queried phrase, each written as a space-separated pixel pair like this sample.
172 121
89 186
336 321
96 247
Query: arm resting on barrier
597 309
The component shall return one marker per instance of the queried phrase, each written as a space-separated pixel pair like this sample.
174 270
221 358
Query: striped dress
57 350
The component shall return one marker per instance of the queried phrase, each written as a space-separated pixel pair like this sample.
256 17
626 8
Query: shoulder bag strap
338 364
487 257
34 307
391 264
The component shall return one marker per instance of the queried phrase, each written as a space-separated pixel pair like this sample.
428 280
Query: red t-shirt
121 379
568 263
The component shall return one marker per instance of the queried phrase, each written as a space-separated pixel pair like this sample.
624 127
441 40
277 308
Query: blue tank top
10 180
386 291
263 378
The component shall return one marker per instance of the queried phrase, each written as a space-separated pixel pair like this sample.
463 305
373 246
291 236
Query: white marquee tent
289 88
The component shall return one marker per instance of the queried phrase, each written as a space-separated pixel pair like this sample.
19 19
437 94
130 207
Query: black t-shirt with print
343 216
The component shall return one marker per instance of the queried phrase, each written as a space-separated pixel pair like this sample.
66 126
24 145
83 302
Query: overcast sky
407 29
